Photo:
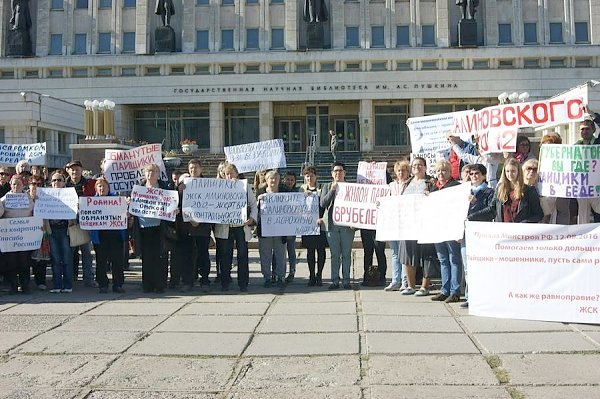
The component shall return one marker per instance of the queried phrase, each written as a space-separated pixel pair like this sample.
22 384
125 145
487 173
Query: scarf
482 186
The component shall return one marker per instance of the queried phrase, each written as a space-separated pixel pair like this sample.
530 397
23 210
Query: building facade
247 70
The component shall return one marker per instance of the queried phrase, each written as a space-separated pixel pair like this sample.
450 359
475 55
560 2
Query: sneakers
439 297
393 287
453 298
66 290
408 291
334 286
464 305
42 287
422 292
55 291
290 277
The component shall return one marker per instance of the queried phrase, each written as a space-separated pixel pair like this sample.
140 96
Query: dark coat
529 211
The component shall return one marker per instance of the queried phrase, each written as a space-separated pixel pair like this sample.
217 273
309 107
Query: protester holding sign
491 161
108 245
516 202
16 264
314 244
226 234
289 180
4 181
40 257
588 208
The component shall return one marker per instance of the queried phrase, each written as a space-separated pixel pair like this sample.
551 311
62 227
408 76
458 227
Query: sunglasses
531 169
56 180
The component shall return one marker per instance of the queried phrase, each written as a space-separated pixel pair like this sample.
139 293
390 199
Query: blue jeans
463 253
291 252
86 262
448 253
62 260
340 246
398 269
272 249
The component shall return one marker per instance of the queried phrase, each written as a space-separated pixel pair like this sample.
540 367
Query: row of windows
402 36
80 43
530 33
59 4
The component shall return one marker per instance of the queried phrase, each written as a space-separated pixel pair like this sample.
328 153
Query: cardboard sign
356 204
371 173
103 213
219 201
56 203
289 214
257 156
34 154
16 200
20 234
430 133
125 168
154 203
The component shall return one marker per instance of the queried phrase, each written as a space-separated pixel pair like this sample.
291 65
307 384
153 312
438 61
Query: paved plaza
300 342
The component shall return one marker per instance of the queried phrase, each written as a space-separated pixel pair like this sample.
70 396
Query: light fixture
514 96
524 96
502 97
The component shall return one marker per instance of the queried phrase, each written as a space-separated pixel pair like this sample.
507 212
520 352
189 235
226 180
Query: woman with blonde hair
516 202
530 172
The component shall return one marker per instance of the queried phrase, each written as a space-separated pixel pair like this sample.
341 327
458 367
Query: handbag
77 236
43 253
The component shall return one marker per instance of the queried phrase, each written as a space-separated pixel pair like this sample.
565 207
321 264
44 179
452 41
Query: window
276 1
79 72
429 65
278 68
152 71
377 36
128 71
7 74
277 39
533 63
128 42
505 64
581 32
202 2
481 64
557 62
129 3
556 35
241 125
105 4
404 65
352 66
390 125
428 35
504 34
328 67
402 36
455 64
252 68
201 40
104 42
104 72
63 143
55 44
80 45
202 70
379 66
177 70
303 68
251 1
34 73
227 69
56 5
55 73
227 39
227 2
583 62
252 38
81 3
530 33
351 36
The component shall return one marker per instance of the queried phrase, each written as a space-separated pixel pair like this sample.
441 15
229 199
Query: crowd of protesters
175 255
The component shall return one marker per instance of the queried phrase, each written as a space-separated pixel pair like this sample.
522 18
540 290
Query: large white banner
219 201
371 173
569 171
20 234
257 156
437 217
356 204
103 213
125 168
430 133
534 271
154 203
56 203
34 154
289 214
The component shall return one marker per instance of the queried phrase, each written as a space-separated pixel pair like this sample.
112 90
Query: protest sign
219 201
125 168
399 217
16 200
154 203
371 173
289 214
257 156
534 271
431 158
56 203
569 171
34 154
103 213
20 234
355 204
430 133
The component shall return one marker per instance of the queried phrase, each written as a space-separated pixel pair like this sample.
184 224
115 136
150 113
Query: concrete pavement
305 342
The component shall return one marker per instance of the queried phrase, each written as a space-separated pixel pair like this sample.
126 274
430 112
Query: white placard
534 271
289 214
56 203
430 133
154 203
356 204
125 168
431 158
371 173
103 213
20 234
34 154
16 200
399 217
219 201
257 156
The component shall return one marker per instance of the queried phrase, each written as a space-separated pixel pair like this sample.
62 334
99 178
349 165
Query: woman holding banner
515 201
108 245
314 244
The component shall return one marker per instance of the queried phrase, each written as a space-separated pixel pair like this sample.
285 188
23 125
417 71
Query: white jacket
222 230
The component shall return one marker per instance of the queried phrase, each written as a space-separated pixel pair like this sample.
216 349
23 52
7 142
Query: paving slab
382 323
50 308
12 339
595 335
235 308
30 322
552 369
535 342
122 308
169 297
586 327
210 323
438 391
419 343
560 392
305 323
303 344
298 372
495 325
245 297
37 393
4 306
312 308
405 309
91 323
63 371
167 373
379 295
80 342
316 393
430 370
110 394
193 344
303 295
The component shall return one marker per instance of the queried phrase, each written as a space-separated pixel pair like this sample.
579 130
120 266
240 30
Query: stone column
517 25
42 22
417 107
188 28
491 23
366 119
142 35
336 18
442 27
416 22
594 24
265 120
291 26
217 131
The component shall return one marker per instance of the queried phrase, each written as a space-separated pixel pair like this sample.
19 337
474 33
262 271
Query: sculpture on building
165 9
315 11
468 8
21 18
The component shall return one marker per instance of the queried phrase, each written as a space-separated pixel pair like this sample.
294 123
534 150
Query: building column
142 30
517 26
42 36
366 121
336 18
417 107
290 33
594 24
491 23
188 29
265 120
415 23
217 131
443 31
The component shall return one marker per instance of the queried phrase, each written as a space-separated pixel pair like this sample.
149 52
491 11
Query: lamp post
99 119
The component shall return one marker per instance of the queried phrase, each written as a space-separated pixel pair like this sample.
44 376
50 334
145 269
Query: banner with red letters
355 204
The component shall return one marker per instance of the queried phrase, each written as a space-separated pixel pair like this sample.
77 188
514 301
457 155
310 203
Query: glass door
347 134
291 133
